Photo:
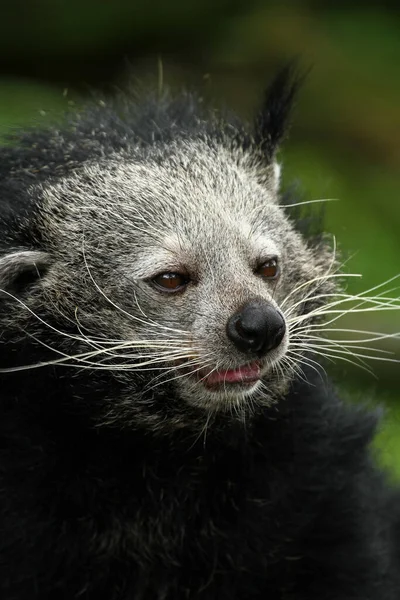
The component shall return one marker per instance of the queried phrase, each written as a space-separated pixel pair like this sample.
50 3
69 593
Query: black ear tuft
21 269
272 121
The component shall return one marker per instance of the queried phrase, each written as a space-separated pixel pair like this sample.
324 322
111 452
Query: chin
233 398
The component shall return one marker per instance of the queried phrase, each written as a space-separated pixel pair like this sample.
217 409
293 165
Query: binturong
167 429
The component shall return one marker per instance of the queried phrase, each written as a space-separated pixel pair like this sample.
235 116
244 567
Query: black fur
288 507
272 120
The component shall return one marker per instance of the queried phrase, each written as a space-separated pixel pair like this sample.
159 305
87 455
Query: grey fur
113 224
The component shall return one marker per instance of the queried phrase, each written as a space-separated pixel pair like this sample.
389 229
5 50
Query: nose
256 328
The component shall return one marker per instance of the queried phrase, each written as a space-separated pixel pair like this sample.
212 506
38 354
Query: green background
344 143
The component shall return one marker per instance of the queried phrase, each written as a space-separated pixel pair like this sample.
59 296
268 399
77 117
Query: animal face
186 268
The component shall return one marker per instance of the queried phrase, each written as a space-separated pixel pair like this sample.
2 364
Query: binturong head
147 259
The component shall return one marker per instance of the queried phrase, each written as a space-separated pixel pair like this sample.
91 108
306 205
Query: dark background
344 143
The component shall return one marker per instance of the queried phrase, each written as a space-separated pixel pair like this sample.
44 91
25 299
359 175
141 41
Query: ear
272 120
21 269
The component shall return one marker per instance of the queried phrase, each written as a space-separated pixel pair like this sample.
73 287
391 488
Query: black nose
257 328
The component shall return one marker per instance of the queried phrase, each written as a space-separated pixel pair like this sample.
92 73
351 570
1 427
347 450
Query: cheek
173 314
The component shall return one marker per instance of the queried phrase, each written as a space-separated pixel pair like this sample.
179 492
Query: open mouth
247 375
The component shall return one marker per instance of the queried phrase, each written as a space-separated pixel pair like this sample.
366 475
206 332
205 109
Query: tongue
246 373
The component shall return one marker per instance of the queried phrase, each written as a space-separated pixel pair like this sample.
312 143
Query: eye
170 282
269 269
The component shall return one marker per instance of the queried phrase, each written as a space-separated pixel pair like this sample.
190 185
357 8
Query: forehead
186 193
199 198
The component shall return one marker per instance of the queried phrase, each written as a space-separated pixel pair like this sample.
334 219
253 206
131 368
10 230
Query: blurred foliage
344 142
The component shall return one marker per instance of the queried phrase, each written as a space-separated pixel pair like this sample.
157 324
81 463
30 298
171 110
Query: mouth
246 375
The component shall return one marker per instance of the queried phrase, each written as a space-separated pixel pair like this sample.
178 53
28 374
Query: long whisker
319 201
330 356
320 278
336 349
321 329
325 343
202 365
48 325
83 359
306 360
342 298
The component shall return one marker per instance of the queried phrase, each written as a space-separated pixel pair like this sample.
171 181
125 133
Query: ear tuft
272 121
21 269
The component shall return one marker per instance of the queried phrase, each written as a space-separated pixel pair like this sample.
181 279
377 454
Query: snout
256 329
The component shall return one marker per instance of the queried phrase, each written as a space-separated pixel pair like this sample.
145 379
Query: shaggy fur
124 473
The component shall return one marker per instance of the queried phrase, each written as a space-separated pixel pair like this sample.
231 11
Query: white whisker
319 201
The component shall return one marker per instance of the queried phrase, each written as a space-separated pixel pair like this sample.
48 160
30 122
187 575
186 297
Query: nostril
279 334
244 330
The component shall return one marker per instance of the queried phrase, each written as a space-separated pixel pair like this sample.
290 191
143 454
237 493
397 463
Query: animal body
166 432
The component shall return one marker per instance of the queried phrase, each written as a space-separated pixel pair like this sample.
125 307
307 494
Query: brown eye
170 282
269 269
